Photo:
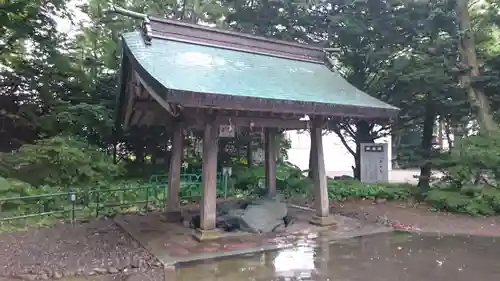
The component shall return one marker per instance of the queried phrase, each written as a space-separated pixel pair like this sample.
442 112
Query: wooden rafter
165 105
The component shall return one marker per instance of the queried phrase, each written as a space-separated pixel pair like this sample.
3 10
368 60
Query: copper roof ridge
236 34
177 30
231 48
152 26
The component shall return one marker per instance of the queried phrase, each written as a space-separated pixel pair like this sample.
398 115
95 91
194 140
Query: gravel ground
97 247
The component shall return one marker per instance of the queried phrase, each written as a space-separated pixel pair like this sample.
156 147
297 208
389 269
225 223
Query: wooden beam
148 119
156 96
148 105
174 174
129 105
319 173
193 122
136 117
271 155
262 122
239 119
209 166
322 216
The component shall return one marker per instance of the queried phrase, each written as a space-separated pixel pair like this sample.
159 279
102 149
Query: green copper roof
205 69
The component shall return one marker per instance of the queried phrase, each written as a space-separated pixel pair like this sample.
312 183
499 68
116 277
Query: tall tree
470 69
34 70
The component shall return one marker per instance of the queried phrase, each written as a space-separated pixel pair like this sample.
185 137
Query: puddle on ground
384 257
380 257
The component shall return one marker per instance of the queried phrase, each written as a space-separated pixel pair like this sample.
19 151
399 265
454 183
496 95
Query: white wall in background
337 157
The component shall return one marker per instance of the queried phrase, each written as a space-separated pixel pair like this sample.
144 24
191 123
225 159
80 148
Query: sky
68 27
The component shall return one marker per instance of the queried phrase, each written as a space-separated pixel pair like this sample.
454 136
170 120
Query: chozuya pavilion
187 76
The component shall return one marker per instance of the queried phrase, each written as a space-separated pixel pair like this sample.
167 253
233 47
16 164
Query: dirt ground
100 247
420 218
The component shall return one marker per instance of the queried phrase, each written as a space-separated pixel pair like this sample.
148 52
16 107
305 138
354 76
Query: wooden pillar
312 158
174 174
322 216
207 230
271 155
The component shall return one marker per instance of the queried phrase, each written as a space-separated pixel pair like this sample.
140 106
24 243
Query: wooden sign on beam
227 131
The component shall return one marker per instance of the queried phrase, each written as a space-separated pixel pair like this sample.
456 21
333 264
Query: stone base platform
173 243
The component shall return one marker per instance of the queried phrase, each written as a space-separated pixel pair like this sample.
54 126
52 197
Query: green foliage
401 53
292 183
12 205
476 160
4 184
289 180
472 174
44 205
486 202
61 161
342 189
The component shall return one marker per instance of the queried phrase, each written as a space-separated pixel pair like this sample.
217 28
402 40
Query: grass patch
342 189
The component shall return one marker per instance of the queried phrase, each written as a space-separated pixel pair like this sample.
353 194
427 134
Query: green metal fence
83 204
192 180
77 205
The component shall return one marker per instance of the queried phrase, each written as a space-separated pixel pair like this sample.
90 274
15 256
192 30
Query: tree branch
338 132
383 128
349 130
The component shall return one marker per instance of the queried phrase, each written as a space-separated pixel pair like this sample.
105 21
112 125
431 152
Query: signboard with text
374 162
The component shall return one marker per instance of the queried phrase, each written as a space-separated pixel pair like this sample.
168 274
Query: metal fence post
165 191
72 199
147 197
98 199
224 178
226 173
73 212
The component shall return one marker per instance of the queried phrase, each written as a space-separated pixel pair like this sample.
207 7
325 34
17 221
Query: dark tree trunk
249 154
115 151
395 142
311 165
467 48
363 135
426 148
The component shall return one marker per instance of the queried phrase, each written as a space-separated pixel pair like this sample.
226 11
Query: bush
11 189
492 197
453 201
61 161
474 158
292 183
472 177
342 189
289 180
472 200
19 198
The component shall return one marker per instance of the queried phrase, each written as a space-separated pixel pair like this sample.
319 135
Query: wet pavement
101 251
394 256
384 257
172 243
